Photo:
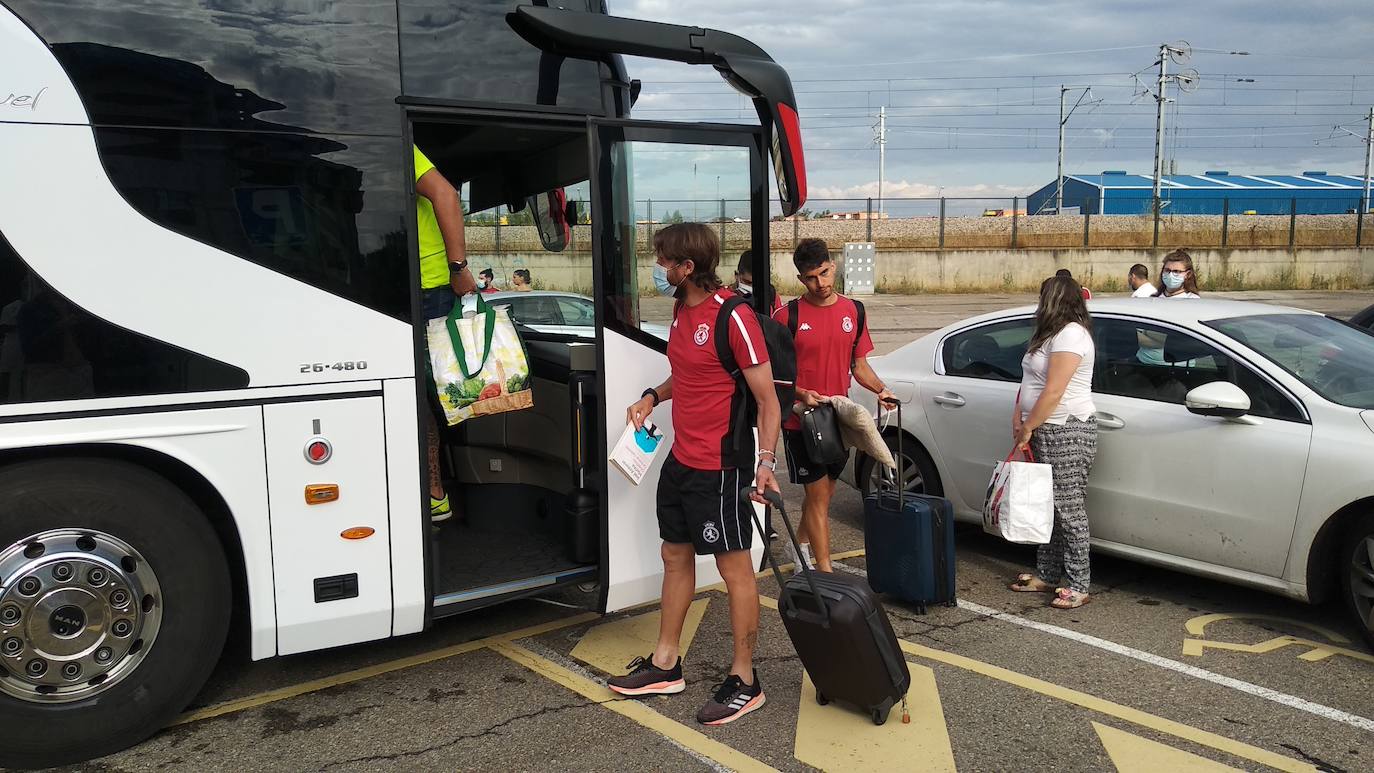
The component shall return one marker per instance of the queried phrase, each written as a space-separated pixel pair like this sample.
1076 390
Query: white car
1234 438
559 313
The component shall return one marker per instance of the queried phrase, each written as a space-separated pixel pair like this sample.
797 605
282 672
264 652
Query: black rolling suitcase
841 634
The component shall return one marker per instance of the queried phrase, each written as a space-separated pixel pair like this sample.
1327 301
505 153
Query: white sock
806 554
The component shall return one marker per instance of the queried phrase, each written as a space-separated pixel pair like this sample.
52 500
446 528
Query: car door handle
950 399
1108 421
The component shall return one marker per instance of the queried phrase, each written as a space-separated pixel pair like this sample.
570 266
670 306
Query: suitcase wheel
879 716
821 699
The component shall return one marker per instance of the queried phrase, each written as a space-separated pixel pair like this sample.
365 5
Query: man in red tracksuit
832 343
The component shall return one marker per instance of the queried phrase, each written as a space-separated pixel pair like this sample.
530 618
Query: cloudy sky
972 89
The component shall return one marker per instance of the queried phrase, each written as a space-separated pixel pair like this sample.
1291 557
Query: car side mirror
1219 398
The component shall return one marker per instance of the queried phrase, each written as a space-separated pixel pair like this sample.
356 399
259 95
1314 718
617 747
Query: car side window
535 311
577 312
1149 362
991 352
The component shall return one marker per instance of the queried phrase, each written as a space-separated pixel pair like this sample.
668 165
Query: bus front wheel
114 607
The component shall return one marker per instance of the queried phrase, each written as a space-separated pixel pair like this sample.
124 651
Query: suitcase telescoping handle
775 499
898 477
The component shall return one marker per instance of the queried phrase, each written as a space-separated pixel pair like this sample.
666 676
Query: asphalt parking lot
1161 672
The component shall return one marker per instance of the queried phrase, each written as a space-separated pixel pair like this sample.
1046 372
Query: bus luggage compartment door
327 494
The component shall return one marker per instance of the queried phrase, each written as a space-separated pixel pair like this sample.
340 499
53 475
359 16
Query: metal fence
971 224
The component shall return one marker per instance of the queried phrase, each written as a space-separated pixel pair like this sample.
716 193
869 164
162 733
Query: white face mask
745 289
1173 281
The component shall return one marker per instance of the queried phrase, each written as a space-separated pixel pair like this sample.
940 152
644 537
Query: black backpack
737 449
792 307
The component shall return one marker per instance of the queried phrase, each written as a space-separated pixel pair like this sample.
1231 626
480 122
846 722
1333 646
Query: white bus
209 305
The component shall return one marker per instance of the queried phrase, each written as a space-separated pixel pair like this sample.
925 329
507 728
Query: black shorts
800 468
703 507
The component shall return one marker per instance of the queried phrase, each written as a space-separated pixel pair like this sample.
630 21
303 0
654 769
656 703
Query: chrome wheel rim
881 478
79 610
1362 580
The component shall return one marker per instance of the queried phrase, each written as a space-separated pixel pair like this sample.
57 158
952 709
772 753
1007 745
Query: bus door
646 176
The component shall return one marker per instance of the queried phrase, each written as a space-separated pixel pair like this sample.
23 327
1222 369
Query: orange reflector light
319 493
358 532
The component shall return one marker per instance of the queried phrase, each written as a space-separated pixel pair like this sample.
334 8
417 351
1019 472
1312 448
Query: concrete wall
911 271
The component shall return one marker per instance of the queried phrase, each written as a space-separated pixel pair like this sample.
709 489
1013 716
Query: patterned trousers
1069 449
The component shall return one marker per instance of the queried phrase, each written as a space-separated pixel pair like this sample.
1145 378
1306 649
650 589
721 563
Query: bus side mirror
550 211
572 215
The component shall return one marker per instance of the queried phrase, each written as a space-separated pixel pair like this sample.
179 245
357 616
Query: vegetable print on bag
479 364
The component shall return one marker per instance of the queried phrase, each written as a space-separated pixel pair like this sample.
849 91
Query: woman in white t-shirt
1053 418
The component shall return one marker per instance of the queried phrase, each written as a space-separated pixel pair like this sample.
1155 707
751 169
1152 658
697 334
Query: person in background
699 508
832 345
1139 281
486 281
1085 292
1053 418
744 286
1176 277
520 280
744 281
444 278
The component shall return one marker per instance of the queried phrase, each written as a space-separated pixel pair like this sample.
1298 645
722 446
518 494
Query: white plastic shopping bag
1020 501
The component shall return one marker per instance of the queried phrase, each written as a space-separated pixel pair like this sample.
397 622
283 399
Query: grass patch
1110 285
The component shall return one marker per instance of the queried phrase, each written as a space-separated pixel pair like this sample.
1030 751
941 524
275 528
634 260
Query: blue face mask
1173 281
665 288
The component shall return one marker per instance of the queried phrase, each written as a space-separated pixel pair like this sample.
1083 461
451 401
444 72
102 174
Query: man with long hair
699 509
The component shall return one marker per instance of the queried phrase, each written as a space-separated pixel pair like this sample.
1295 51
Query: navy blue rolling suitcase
841 633
909 543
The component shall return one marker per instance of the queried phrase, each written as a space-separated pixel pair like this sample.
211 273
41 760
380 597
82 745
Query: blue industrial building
1119 193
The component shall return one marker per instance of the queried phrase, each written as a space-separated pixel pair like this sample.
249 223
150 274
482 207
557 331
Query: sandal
1029 583
1069 599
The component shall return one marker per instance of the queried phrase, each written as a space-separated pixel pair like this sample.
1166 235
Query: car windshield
1334 359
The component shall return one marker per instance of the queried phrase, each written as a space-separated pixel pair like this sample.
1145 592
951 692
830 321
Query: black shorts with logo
800 468
703 507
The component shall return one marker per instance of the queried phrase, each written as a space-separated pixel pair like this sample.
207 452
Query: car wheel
1357 574
917 470
114 607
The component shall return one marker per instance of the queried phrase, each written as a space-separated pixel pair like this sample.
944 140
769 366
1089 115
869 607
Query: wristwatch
457 266
651 392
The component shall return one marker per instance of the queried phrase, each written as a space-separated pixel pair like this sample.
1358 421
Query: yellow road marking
1133 754
610 646
632 710
324 683
1101 705
839 738
315 685
1197 626
1317 650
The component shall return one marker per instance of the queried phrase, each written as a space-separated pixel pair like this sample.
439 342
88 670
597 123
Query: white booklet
635 450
